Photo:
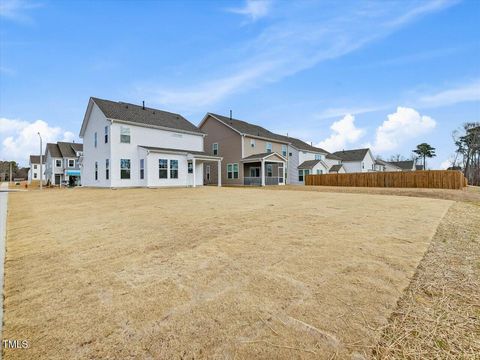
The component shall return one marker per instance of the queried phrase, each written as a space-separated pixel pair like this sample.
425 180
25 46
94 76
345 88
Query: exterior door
281 180
57 179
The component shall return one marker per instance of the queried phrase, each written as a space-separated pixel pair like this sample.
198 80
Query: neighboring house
34 172
254 155
127 145
358 160
407 165
251 154
381 165
62 163
305 159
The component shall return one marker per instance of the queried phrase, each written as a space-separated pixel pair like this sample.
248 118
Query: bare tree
468 151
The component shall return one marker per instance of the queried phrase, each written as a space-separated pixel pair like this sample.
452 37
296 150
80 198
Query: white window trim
268 148
233 171
213 148
68 162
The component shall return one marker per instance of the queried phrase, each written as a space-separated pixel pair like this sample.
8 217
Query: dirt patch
208 272
438 317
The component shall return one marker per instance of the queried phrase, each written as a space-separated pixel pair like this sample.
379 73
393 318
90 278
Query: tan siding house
251 154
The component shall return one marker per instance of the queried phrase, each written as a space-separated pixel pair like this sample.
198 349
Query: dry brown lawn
208 272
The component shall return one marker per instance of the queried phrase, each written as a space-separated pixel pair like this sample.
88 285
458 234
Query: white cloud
446 164
465 93
401 126
253 9
19 138
17 10
305 36
344 132
336 112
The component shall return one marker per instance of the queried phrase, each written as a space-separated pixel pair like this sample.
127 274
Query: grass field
209 272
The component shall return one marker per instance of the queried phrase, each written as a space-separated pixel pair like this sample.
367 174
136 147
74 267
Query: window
190 168
268 147
290 154
124 168
232 171
163 168
300 175
35 167
106 134
252 143
215 149
318 157
96 170
173 169
124 135
95 139
58 163
71 163
142 169
269 170
363 165
284 150
34 175
255 172
107 169
319 171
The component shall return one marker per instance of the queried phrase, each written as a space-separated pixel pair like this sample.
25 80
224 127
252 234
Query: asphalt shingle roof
335 168
35 159
351 155
404 165
308 164
64 149
260 156
53 150
148 116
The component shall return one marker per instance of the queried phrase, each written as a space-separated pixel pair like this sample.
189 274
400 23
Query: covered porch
264 169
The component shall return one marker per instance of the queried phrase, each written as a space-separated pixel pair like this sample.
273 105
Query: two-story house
34 174
127 145
251 154
406 165
62 163
357 160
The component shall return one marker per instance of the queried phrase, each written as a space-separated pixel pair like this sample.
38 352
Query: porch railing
257 181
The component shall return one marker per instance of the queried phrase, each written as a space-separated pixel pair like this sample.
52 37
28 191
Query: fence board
437 179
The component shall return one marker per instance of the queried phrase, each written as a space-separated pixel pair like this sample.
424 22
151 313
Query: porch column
284 171
194 172
263 172
219 173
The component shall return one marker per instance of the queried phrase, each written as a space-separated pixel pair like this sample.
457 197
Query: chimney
143 104
230 115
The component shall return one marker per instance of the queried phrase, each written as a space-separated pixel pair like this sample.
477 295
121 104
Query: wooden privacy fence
438 179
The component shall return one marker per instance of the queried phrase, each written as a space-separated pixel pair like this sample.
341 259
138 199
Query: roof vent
230 115
143 104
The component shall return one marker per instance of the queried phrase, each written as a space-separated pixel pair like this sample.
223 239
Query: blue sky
341 75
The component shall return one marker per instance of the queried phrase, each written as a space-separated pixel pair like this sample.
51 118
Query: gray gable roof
308 164
352 155
335 168
404 165
302 145
246 128
144 116
35 159
64 149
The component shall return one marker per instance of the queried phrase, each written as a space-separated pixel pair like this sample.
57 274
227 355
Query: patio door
281 180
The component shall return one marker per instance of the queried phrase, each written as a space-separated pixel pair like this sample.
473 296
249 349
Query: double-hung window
232 171
302 174
58 163
190 168
35 167
34 175
173 169
319 172
124 134
71 163
284 150
124 168
268 147
96 170
318 157
142 169
106 134
215 149
107 169
163 168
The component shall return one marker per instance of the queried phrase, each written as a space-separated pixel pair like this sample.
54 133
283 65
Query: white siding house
127 145
62 163
34 172
358 160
